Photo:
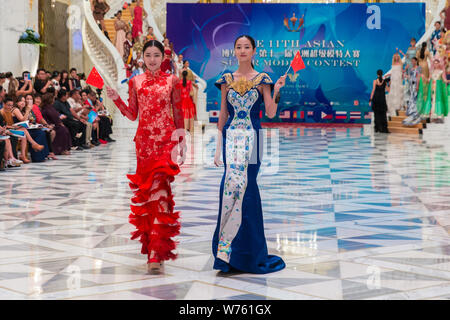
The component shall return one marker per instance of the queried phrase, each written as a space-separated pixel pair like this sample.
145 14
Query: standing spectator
64 81
41 83
138 16
121 31
99 9
378 102
62 142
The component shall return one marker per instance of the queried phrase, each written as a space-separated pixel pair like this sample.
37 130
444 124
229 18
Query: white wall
15 17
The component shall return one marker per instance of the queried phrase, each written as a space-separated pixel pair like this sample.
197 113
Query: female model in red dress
138 15
187 104
166 65
152 95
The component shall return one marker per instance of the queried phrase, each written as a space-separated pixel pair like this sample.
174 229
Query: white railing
115 5
202 114
100 52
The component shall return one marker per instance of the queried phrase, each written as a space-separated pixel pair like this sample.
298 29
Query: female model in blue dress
239 243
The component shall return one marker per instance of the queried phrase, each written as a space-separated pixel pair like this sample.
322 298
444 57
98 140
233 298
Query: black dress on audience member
379 107
71 123
62 140
65 85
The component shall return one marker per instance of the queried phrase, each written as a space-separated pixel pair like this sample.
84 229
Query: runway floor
354 215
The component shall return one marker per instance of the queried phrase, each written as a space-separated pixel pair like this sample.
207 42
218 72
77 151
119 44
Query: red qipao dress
187 104
137 22
154 97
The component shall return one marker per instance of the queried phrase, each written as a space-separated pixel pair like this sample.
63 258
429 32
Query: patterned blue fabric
239 242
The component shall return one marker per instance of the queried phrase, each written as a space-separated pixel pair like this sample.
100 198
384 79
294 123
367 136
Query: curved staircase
126 17
395 125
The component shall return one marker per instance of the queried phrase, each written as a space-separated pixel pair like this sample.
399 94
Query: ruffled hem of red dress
155 237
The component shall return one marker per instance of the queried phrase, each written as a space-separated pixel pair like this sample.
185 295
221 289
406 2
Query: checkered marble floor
354 215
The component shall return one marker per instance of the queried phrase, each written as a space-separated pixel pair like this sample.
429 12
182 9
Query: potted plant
29 50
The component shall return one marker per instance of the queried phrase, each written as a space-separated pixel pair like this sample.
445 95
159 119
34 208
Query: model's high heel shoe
154 266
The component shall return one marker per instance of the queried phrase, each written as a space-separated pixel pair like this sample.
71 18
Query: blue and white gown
239 242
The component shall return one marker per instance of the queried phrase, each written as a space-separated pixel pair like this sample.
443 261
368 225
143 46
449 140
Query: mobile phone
27 76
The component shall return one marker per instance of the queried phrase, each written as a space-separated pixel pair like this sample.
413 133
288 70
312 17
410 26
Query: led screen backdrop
342 45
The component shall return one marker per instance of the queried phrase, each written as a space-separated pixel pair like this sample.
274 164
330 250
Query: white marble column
15 17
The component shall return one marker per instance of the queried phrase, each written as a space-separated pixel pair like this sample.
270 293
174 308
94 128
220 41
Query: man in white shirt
74 101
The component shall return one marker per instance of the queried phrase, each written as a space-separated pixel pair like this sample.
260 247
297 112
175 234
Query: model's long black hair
184 74
252 41
422 50
380 75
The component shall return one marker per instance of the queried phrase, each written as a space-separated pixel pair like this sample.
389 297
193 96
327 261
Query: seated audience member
74 80
26 111
80 110
72 121
64 81
41 83
105 123
6 153
56 77
11 115
24 84
37 118
63 141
